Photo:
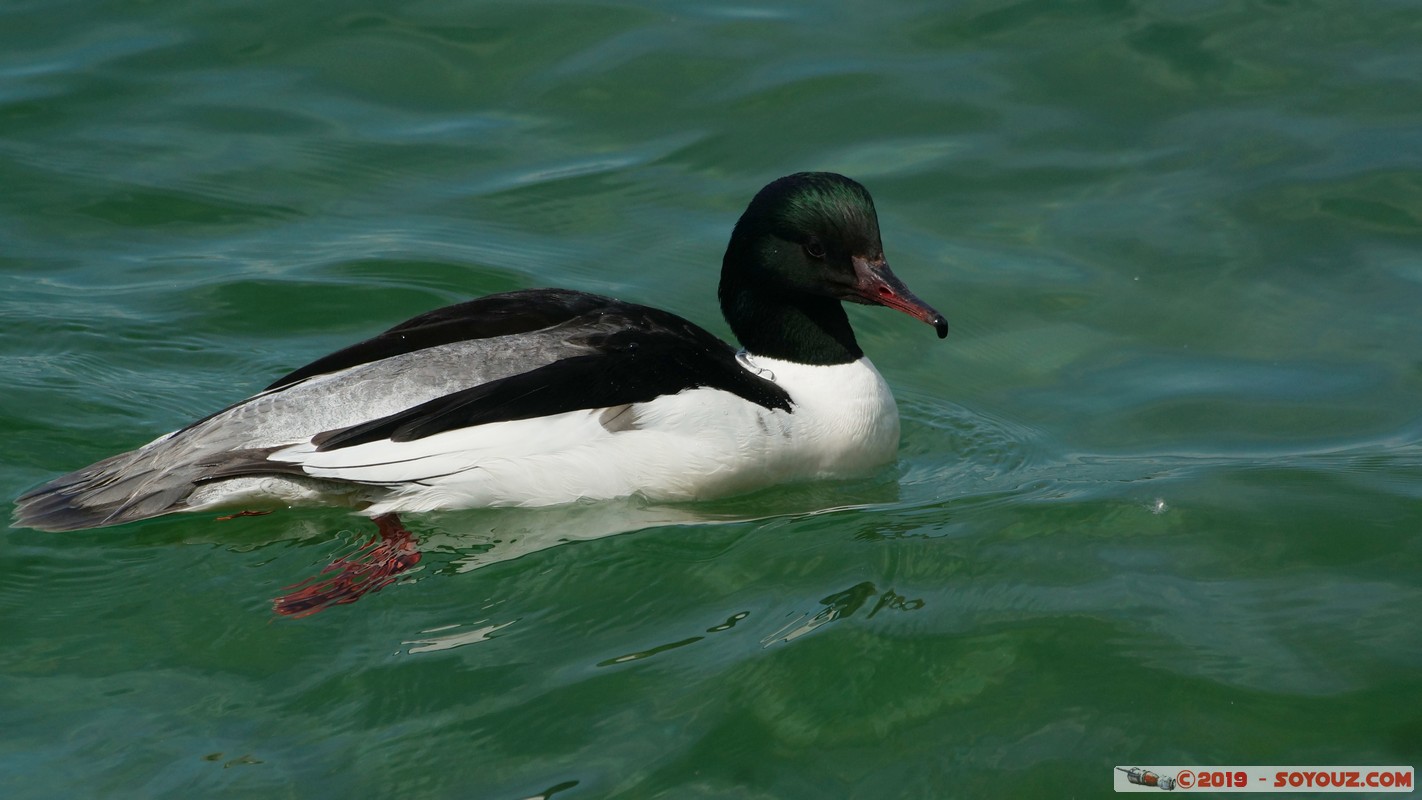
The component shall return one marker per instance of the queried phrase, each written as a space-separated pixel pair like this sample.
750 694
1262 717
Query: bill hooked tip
941 325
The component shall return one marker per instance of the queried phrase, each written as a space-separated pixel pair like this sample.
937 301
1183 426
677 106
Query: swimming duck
548 396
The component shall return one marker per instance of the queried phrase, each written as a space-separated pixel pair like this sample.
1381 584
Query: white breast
844 422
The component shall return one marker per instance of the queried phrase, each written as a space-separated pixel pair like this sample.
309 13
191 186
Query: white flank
694 445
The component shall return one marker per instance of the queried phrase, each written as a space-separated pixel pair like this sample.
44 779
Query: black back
639 353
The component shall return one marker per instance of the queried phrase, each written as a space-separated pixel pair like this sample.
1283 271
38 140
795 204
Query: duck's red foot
371 568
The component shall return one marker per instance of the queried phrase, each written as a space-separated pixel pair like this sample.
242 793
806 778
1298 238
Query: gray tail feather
126 488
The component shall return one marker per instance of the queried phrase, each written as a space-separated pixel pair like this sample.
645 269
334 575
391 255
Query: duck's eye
814 249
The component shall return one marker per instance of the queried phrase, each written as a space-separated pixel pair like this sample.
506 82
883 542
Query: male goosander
547 396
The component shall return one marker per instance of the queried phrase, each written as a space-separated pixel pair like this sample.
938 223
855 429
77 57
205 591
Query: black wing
495 315
647 353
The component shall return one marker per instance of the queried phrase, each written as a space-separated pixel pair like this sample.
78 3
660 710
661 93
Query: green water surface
1159 496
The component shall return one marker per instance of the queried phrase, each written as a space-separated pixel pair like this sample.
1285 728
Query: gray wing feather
160 476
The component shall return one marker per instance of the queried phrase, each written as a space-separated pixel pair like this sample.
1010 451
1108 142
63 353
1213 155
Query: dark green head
806 242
